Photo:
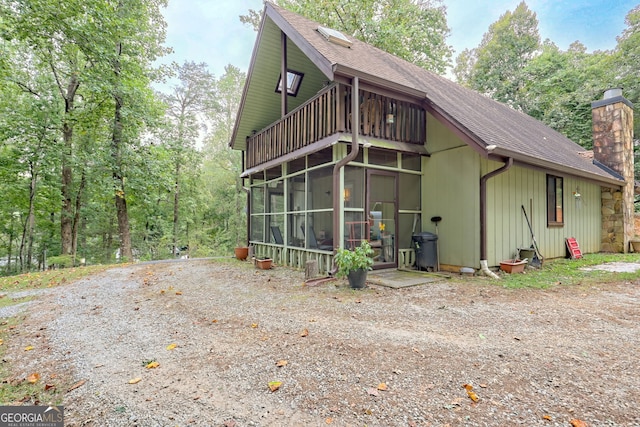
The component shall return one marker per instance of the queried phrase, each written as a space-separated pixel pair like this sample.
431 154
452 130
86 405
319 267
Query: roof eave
554 167
343 70
319 61
245 89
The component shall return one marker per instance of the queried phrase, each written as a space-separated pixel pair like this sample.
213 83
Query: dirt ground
372 357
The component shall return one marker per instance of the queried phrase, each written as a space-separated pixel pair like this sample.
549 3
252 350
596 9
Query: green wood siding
507 227
451 189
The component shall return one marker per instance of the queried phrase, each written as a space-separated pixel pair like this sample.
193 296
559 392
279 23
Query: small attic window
334 36
294 78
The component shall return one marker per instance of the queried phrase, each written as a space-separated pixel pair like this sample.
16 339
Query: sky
210 31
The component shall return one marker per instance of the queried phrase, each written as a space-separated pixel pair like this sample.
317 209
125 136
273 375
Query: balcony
329 113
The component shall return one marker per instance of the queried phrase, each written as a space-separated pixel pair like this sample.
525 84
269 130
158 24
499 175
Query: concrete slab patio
396 279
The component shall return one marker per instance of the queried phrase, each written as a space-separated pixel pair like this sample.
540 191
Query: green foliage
350 260
560 87
496 66
569 272
60 261
627 62
554 86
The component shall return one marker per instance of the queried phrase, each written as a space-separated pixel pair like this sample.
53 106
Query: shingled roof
482 121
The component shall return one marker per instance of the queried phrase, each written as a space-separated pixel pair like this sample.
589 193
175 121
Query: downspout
483 216
248 193
355 126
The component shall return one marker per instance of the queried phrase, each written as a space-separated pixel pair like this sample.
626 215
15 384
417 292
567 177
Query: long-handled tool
436 220
537 257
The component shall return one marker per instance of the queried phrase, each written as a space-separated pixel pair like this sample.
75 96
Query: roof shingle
491 122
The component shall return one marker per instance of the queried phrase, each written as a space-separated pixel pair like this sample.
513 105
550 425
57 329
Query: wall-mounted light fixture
577 194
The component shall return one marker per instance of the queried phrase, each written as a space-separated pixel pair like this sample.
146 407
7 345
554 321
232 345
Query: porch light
390 119
347 194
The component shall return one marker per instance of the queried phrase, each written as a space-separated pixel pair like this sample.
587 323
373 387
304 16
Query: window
554 201
294 79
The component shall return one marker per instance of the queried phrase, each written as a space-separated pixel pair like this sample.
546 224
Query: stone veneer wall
613 146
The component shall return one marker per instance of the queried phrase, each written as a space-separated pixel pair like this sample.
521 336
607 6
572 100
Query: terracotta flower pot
513 266
242 252
264 264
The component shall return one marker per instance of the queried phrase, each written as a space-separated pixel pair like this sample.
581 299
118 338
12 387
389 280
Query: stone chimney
613 146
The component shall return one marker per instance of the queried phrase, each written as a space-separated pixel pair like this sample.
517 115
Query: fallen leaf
304 333
546 417
472 395
254 325
178 293
483 385
28 348
230 423
578 423
328 420
33 378
49 387
382 387
274 385
1 342
153 365
281 363
135 380
214 321
162 291
76 385
171 346
467 387
373 392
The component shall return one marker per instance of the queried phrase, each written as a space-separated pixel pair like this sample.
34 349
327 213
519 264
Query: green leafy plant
350 260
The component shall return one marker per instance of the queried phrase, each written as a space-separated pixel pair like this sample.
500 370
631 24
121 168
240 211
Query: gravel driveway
375 357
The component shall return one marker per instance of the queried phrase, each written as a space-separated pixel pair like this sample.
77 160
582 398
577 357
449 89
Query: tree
627 58
226 218
559 87
496 66
130 36
189 101
414 30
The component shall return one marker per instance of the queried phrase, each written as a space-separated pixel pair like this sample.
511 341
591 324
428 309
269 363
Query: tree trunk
176 205
76 217
27 234
118 182
118 178
66 217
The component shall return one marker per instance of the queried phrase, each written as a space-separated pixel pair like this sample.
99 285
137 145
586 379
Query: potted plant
354 264
241 252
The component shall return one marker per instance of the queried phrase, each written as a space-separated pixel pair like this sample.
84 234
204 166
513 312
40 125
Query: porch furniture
313 241
277 235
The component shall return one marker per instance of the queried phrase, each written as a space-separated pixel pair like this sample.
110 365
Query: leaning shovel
537 258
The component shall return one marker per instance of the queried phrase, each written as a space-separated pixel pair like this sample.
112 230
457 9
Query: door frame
395 176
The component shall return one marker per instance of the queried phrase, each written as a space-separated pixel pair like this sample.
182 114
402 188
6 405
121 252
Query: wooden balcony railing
329 112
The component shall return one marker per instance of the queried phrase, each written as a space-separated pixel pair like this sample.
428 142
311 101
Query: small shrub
350 260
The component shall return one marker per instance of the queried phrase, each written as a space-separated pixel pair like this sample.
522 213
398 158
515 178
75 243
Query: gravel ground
374 357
